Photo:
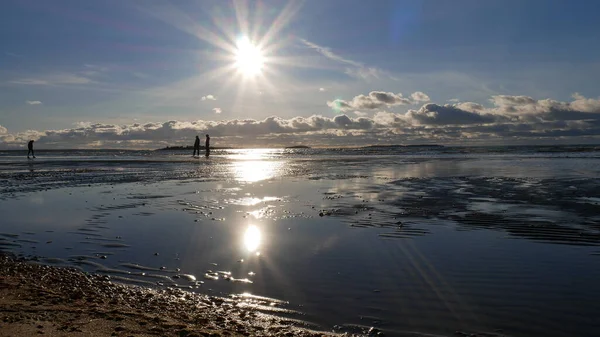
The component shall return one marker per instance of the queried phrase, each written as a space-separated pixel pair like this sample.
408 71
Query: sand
52 301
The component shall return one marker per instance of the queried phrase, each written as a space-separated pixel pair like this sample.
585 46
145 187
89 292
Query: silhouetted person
207 145
30 147
196 146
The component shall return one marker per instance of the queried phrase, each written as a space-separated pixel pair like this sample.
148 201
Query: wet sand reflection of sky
424 240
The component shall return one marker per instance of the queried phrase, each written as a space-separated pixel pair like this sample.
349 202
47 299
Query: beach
43 300
401 241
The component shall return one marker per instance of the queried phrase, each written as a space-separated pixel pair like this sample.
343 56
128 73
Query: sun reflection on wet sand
252 238
252 165
253 171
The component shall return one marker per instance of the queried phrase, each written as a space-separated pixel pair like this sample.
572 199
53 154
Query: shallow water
425 242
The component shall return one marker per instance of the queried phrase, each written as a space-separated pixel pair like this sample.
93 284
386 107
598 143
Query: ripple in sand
9 235
211 276
251 201
88 230
187 277
114 245
138 267
27 241
53 260
132 280
8 243
144 197
86 234
119 207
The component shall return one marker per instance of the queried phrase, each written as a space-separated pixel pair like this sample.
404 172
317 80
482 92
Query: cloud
434 114
217 110
527 106
209 98
454 100
353 68
53 80
321 89
33 102
330 54
376 100
536 120
419 97
470 106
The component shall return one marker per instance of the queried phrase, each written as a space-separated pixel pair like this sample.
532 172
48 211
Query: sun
249 59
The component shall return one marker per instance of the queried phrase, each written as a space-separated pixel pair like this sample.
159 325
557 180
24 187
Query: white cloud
454 100
376 100
33 102
3 130
419 97
208 98
321 89
365 73
330 54
470 106
585 104
53 80
361 114
217 110
353 68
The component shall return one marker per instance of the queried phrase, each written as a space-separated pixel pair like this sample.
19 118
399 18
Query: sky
147 74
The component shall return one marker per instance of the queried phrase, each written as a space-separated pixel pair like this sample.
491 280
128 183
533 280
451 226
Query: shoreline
45 300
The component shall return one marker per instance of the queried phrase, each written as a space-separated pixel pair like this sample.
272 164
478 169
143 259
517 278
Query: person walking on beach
207 145
30 147
196 147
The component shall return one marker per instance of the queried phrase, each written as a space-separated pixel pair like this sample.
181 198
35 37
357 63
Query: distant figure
30 147
196 147
207 145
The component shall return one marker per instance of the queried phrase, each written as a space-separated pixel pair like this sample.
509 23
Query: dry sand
45 300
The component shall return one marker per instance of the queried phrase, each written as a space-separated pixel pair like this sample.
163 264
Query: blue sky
103 66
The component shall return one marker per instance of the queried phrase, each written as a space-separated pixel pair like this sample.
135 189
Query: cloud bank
506 119
33 102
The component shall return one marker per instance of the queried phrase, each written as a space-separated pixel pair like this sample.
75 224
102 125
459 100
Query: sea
396 240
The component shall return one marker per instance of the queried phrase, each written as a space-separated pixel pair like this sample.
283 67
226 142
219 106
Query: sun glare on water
249 59
252 238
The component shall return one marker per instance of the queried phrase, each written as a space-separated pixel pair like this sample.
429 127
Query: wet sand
52 301
414 246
